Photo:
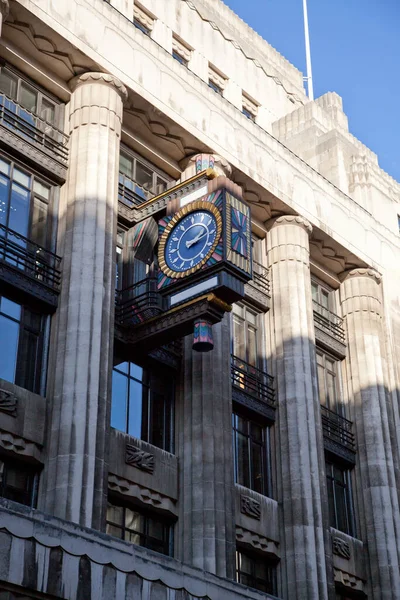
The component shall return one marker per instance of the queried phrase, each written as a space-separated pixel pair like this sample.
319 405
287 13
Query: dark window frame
129 180
345 521
268 585
141 27
146 540
178 57
264 484
248 114
27 375
148 393
216 88
336 404
34 176
14 493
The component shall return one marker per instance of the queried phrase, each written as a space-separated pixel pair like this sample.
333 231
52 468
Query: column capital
361 272
4 9
293 220
192 165
101 78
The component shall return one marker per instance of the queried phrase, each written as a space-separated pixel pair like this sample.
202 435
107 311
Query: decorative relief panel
134 490
136 457
8 402
341 548
250 507
350 581
19 445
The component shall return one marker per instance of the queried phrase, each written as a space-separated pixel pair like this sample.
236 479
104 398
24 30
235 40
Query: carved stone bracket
136 457
134 490
250 506
256 541
341 548
349 581
8 402
19 445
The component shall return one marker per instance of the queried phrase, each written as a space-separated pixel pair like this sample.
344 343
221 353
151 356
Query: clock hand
195 240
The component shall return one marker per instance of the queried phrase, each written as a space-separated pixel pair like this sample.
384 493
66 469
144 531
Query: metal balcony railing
33 129
260 279
130 193
337 428
252 381
138 303
328 321
36 262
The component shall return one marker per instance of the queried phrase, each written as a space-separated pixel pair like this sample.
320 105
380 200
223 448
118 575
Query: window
21 332
142 20
339 497
24 204
180 51
322 296
251 453
142 403
141 528
245 335
138 180
328 382
31 100
216 80
249 107
256 572
18 482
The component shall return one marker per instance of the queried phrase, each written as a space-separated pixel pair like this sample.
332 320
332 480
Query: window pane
4 194
321 384
157 420
134 520
28 97
9 339
19 211
12 309
39 222
126 165
331 392
161 186
314 291
137 394
27 367
41 189
239 345
119 401
115 514
8 84
257 468
47 111
341 509
252 346
242 460
324 298
155 529
144 176
4 167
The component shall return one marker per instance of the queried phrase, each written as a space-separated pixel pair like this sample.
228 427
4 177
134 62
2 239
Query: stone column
79 393
378 503
207 527
299 438
4 10
207 522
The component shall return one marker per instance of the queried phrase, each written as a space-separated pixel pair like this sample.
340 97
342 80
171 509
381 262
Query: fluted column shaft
207 534
299 442
82 363
362 308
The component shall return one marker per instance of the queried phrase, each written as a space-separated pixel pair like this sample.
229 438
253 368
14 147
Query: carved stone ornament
97 77
341 548
136 457
294 220
8 402
250 507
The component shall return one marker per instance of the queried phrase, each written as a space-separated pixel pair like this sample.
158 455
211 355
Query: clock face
191 240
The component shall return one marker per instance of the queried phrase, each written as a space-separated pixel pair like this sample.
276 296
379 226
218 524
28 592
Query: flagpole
310 88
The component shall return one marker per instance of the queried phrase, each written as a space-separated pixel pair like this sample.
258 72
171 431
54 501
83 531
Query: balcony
257 290
252 387
338 434
329 330
28 267
29 134
138 303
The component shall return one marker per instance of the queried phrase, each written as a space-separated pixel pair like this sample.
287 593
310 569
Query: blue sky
355 50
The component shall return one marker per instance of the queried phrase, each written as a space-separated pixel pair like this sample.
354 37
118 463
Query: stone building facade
268 467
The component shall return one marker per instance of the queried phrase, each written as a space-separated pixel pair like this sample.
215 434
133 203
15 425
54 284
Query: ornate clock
190 239
205 247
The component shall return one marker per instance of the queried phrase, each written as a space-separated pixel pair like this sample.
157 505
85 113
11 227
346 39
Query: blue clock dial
190 240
